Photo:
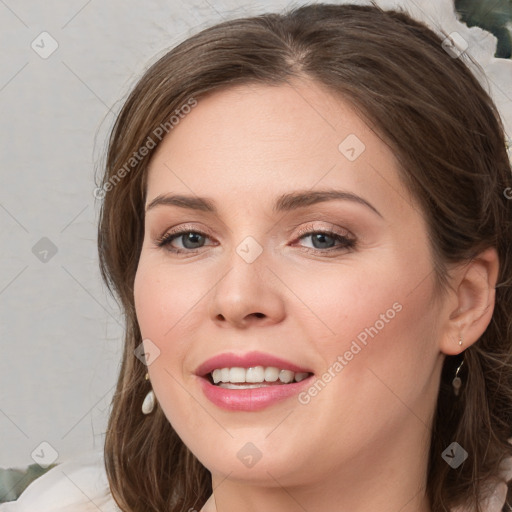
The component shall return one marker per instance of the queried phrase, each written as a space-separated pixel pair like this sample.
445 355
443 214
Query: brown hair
449 139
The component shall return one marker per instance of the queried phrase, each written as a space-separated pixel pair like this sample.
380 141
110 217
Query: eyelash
346 242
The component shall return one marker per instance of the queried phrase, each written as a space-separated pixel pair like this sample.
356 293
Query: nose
247 294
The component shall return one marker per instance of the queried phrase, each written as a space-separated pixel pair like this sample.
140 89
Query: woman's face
266 262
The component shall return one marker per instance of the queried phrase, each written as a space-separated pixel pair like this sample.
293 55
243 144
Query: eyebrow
284 203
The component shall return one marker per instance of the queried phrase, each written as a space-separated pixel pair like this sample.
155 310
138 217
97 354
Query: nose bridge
246 268
247 289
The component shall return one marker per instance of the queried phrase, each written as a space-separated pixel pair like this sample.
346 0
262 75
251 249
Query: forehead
254 140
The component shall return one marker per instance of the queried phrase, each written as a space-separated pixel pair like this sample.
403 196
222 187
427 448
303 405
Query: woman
306 219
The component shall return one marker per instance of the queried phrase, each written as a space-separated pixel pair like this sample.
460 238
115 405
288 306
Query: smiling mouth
254 377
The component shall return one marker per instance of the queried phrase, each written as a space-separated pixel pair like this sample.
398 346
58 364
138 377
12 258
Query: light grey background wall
60 332
64 67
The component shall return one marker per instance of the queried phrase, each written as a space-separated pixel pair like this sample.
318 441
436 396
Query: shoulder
76 485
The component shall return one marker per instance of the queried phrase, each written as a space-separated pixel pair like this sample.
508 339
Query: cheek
161 313
375 328
166 303
361 302
383 356
163 300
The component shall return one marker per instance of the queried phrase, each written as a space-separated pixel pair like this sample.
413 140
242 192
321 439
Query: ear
470 305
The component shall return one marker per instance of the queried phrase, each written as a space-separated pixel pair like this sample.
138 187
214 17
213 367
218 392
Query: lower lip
251 399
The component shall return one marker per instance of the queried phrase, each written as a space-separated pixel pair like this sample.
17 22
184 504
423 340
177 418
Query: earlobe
474 294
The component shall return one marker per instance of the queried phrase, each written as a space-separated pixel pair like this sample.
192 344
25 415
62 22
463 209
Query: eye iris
192 240
191 237
321 237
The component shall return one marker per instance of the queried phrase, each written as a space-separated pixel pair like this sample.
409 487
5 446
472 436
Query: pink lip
247 360
249 399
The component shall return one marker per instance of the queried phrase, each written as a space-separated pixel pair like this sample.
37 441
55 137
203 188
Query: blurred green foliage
493 16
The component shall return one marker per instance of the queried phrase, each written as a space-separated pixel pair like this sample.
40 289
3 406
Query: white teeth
237 374
255 375
286 376
271 374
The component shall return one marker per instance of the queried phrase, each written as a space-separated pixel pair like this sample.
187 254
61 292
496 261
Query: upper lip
247 360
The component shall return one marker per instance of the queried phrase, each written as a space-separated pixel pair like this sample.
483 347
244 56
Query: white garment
496 501
77 485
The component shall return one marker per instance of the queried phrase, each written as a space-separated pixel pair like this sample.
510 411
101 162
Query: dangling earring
460 341
457 382
149 402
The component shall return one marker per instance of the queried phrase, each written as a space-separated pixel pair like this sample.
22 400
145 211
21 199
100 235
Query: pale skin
361 444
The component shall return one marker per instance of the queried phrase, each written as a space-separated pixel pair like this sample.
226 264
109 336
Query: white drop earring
149 401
